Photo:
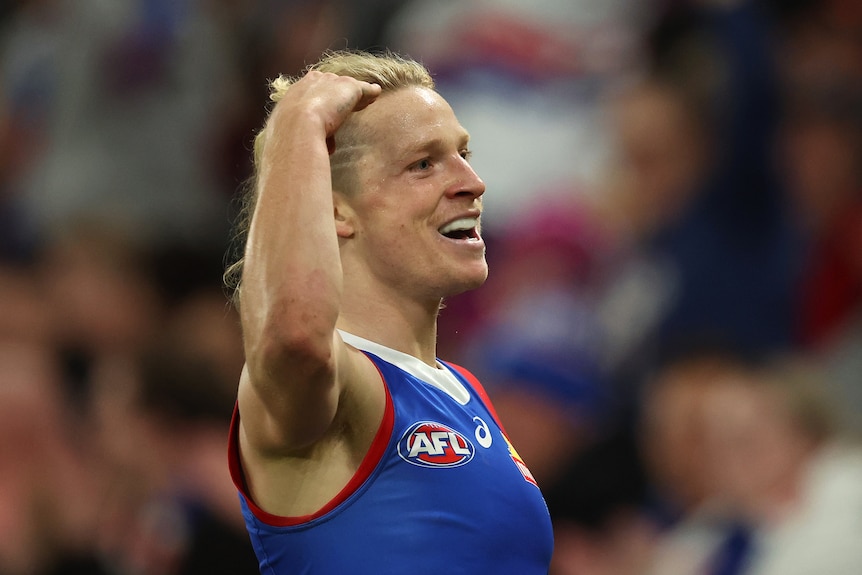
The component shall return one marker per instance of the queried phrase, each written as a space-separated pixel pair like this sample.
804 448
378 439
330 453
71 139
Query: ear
344 216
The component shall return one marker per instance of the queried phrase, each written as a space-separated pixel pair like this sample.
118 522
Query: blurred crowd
671 330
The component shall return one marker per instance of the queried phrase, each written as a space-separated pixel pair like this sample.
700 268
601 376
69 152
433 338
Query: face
414 222
673 438
661 149
755 447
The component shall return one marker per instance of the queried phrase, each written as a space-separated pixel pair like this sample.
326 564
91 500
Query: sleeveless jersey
441 490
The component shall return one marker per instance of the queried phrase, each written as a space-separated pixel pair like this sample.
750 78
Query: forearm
292 279
748 116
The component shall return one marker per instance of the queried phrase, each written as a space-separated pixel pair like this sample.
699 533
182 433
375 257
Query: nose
467 181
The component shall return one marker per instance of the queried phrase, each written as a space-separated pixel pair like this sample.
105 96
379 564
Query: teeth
461 225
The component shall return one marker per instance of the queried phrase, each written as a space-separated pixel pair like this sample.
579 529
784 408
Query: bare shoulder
299 481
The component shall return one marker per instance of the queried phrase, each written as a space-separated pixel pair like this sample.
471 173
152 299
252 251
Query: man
355 450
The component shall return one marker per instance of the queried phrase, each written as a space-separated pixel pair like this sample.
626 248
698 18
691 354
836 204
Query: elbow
290 332
297 349
296 344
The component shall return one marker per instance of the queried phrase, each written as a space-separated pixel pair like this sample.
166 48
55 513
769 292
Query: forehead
410 119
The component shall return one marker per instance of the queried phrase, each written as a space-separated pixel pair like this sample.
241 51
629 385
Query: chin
472 281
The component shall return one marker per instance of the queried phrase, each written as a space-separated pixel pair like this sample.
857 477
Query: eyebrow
434 144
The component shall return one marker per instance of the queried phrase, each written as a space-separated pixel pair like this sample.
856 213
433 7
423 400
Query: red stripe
480 391
369 462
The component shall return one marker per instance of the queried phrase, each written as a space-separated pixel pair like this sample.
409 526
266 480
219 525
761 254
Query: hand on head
330 98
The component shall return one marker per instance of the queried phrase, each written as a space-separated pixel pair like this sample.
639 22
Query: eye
422 165
467 154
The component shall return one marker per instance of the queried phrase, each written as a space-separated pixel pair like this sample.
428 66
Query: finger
370 92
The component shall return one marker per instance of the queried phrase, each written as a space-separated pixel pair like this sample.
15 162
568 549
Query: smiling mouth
461 229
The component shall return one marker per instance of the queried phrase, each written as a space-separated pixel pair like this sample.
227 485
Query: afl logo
430 444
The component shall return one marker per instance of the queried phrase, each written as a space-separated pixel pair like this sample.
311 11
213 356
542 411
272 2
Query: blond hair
389 70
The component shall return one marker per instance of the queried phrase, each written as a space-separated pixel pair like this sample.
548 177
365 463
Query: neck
403 325
774 506
780 497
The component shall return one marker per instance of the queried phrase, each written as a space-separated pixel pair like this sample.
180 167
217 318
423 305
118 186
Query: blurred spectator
697 179
173 508
755 459
779 455
120 99
48 494
822 147
25 316
27 51
821 151
693 514
598 510
102 299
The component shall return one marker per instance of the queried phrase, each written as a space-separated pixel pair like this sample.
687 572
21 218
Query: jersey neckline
440 377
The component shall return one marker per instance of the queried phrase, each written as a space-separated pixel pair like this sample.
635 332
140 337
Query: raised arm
292 277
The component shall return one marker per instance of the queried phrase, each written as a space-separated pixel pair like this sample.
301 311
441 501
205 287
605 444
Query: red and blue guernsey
441 490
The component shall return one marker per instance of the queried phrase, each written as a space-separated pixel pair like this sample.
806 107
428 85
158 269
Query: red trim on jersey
480 391
369 462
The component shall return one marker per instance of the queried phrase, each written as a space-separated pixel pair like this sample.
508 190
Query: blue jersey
440 491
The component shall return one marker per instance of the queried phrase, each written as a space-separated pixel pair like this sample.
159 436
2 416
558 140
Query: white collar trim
440 377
